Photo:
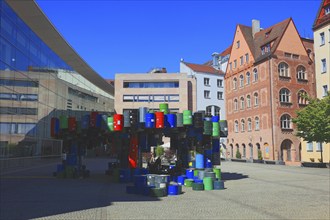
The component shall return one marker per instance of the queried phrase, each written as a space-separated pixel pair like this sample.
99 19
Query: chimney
164 70
255 27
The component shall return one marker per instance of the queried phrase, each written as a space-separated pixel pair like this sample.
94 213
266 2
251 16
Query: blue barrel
124 175
199 161
215 145
60 168
198 181
150 120
215 118
85 122
140 181
170 120
57 126
218 185
181 179
98 120
173 190
208 162
190 173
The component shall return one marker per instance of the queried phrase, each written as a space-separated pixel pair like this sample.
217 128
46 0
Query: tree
238 154
159 151
313 121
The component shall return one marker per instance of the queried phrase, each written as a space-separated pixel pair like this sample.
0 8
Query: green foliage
260 155
238 154
313 121
159 151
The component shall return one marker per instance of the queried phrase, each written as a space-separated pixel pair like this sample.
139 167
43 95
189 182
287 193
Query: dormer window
327 10
267 34
265 49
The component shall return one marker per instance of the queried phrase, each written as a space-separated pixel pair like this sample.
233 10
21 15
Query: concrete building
268 71
41 77
150 89
311 152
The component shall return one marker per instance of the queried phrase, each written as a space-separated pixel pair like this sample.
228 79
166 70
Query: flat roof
33 16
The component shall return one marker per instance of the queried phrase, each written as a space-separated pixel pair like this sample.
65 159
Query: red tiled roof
275 34
321 18
203 68
226 51
208 63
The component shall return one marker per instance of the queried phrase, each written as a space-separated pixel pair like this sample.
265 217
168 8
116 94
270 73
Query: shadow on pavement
30 196
232 176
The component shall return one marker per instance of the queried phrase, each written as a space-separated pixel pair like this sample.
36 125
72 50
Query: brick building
268 71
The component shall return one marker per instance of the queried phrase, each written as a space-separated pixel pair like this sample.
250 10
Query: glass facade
33 87
151 84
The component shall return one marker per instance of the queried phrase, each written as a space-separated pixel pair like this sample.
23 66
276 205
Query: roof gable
203 68
321 18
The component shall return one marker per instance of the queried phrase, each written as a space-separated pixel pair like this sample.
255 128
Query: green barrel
207 128
115 175
179 120
110 123
216 129
158 192
163 107
217 172
188 182
196 172
198 186
187 117
208 183
64 122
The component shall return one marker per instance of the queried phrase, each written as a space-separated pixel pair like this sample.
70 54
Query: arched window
301 73
255 75
236 126
285 95
248 101
235 83
283 70
242 125
244 150
208 110
242 103
241 81
217 111
286 121
257 123
249 124
256 99
235 105
302 97
248 78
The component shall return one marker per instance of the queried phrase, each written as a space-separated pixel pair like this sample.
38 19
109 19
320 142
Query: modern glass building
41 77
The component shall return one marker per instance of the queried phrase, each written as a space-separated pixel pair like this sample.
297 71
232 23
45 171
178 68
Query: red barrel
92 121
118 121
52 127
72 124
159 119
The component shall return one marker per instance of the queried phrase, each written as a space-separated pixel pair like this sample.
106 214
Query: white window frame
220 83
242 103
285 95
235 104
236 126
207 94
206 81
242 125
249 124
324 65
325 90
220 95
235 83
241 81
248 101
256 99
318 147
283 70
301 72
255 75
322 39
257 123
286 121
309 146
248 78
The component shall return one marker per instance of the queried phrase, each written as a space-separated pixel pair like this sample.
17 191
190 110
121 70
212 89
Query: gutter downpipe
271 103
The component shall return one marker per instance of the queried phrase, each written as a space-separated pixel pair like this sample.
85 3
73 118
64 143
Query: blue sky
135 36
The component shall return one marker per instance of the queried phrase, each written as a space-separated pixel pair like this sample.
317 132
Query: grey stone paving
253 191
